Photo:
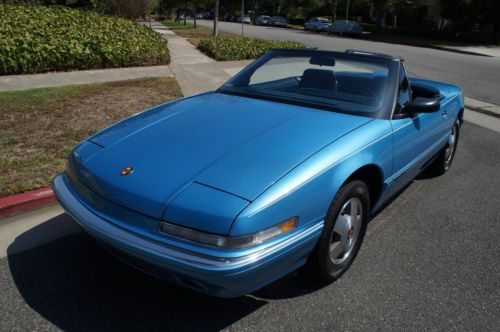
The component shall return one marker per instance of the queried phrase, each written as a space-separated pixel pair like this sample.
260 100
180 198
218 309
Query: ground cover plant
228 49
36 39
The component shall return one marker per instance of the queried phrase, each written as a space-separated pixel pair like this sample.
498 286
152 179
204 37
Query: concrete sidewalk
31 81
195 72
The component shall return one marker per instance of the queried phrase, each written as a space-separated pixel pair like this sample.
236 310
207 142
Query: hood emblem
126 171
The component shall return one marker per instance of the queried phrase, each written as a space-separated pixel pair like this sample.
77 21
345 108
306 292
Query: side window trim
401 88
407 79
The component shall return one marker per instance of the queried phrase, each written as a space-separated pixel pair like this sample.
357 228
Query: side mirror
423 105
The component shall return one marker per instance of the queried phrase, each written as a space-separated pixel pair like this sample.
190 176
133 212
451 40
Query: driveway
430 261
479 76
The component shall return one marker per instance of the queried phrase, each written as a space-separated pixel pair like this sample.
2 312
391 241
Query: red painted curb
27 201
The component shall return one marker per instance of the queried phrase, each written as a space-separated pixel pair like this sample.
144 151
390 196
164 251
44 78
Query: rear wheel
445 157
344 230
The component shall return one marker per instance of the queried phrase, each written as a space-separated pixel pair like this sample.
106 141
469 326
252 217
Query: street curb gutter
482 107
483 110
31 200
444 48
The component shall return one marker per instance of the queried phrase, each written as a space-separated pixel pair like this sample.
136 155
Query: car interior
320 80
360 88
355 87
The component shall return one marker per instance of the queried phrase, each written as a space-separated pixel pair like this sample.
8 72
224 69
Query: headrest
319 79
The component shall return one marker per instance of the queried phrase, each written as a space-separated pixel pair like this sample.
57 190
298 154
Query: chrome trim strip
102 228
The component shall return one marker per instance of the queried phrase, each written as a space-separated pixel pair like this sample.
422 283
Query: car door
416 138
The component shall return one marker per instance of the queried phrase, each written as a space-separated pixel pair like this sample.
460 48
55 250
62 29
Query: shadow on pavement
77 285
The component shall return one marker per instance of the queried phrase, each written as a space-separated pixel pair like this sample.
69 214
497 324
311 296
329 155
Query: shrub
225 49
37 39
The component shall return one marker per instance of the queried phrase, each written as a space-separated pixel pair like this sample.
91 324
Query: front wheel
344 230
445 157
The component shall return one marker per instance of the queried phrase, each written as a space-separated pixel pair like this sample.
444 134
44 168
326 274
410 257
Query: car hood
235 146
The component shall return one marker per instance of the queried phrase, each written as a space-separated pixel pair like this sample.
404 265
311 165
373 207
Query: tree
379 7
130 8
216 18
333 8
395 6
469 17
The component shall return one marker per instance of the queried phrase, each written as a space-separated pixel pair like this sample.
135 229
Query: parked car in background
282 166
199 15
278 21
263 20
344 27
245 19
317 24
229 17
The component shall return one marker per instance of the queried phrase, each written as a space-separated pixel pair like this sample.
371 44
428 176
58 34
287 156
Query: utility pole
216 17
347 10
241 17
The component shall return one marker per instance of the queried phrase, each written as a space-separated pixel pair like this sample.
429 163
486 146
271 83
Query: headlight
228 242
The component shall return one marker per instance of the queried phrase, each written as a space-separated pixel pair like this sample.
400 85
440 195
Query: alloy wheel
450 149
346 230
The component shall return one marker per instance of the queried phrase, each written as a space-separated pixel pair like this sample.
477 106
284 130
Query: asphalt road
479 76
430 261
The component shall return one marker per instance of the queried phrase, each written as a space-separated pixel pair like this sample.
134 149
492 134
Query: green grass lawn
39 127
194 35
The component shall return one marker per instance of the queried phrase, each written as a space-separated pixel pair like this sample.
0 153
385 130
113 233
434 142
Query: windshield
333 81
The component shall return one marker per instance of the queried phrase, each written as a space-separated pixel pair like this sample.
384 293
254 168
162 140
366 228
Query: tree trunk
194 17
395 23
185 12
216 18
333 7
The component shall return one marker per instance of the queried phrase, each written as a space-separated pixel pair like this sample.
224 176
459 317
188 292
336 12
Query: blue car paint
325 150
241 147
213 211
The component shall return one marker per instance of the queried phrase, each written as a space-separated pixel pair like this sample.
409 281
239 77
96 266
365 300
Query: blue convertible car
281 167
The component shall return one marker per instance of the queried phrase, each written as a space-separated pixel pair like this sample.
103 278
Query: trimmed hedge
36 39
228 49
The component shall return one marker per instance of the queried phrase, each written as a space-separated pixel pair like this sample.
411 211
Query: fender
324 173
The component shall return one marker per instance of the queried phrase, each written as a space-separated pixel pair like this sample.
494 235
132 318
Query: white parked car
344 27
245 19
